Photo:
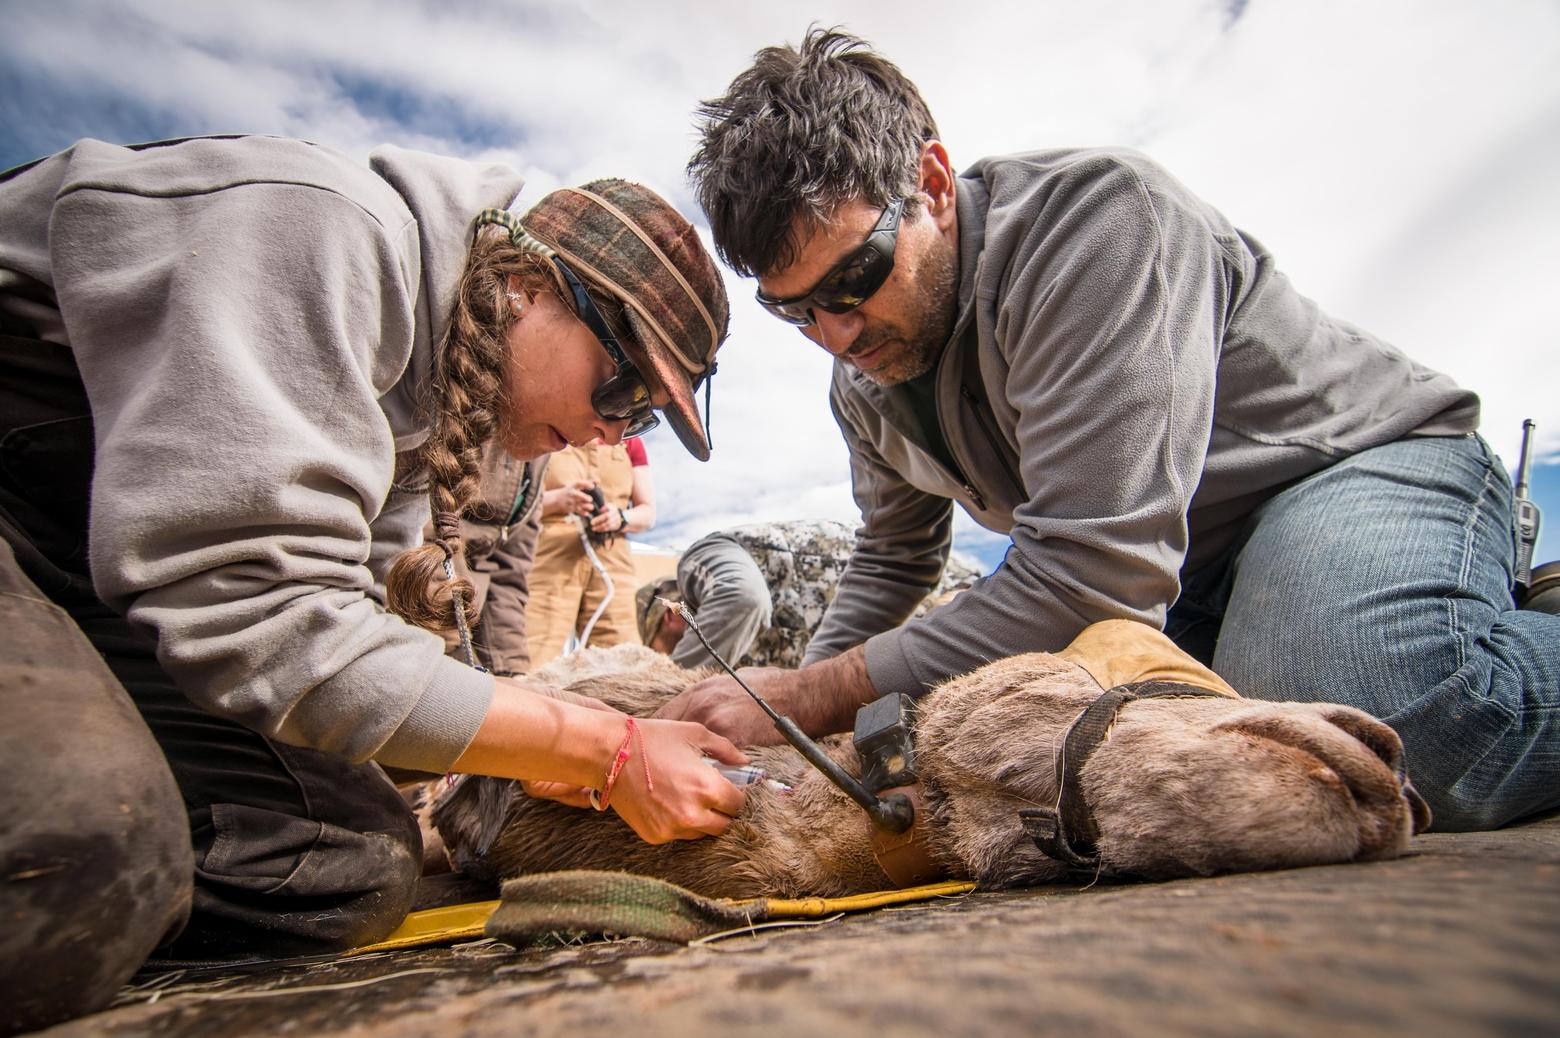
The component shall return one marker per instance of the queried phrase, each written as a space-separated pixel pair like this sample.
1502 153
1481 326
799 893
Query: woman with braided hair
235 376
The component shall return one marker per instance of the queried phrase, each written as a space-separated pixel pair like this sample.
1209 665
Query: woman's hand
564 696
565 792
564 748
573 499
690 799
610 520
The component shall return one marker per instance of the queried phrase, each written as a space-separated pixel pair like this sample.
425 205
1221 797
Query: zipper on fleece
955 474
993 440
965 484
908 425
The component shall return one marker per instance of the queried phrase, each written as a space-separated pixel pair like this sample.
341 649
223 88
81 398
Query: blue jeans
1384 582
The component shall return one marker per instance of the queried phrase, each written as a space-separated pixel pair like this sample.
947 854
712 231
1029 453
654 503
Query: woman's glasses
853 279
624 396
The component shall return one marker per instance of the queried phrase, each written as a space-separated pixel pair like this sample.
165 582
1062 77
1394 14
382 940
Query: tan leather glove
1119 652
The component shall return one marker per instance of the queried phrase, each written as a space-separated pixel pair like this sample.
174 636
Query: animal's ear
493 799
480 802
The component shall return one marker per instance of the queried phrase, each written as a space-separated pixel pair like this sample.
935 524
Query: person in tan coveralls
566 588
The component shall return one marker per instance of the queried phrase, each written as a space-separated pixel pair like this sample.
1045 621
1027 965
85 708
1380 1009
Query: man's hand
720 705
822 699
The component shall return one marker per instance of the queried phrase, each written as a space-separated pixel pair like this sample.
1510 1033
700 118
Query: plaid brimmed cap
627 240
649 608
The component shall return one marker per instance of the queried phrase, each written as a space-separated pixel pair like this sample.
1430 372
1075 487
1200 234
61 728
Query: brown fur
1180 787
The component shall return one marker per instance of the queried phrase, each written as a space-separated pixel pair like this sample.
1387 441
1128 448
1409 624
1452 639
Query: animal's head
1176 786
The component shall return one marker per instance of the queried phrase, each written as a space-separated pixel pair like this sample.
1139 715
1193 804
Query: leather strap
905 857
1067 832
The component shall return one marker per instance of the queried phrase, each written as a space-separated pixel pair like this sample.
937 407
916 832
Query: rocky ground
1460 938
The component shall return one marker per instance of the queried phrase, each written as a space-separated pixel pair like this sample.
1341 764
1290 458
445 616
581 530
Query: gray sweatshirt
1129 377
254 319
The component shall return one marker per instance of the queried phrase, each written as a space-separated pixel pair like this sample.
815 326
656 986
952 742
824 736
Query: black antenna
1527 512
892 814
1524 457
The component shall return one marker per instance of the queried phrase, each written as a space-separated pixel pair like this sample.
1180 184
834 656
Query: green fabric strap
517 232
591 902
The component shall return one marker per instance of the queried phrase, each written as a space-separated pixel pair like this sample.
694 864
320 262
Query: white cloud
1399 157
1400 160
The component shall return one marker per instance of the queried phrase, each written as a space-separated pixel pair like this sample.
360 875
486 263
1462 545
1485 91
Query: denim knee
1384 583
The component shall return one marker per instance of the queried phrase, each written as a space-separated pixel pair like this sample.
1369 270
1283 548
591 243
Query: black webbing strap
1067 832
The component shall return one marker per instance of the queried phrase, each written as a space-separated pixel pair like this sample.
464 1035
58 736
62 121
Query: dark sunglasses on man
625 394
852 281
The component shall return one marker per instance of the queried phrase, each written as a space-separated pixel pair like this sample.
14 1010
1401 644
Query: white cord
583 638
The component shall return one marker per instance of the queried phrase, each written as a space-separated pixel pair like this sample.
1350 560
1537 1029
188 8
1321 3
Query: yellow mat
464 922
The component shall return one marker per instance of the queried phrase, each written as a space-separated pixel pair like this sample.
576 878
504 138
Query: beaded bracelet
624 751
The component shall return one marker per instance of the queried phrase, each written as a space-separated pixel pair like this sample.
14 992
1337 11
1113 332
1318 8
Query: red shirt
636 452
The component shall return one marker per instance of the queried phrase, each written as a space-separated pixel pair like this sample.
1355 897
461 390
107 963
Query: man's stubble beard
927 329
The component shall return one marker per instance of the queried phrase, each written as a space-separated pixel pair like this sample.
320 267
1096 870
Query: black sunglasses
853 279
624 395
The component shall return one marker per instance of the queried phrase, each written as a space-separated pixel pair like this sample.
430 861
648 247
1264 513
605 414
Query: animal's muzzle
1386 744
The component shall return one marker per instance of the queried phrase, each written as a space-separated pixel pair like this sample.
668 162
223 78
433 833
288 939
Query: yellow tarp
465 922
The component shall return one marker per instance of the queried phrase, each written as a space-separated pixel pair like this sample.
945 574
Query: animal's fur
1181 787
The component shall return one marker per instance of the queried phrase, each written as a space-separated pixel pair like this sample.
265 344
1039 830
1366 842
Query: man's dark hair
798 133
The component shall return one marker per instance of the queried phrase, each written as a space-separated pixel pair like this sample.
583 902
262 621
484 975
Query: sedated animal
1179 787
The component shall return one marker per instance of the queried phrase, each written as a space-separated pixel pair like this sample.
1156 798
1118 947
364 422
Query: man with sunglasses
1087 357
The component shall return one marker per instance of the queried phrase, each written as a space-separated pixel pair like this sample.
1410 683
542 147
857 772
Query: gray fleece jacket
1129 377
254 319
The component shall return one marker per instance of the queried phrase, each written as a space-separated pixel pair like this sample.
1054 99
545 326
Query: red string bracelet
624 751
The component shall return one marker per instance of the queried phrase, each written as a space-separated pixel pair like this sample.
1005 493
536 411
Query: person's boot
1543 591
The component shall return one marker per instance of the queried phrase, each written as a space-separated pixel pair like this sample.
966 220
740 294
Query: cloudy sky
1400 157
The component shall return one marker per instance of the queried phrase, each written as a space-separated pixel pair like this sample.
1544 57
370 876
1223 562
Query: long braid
423 585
